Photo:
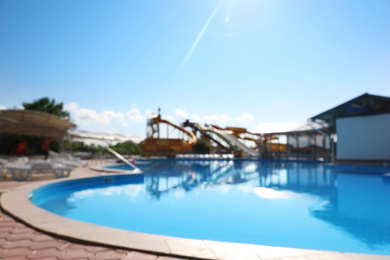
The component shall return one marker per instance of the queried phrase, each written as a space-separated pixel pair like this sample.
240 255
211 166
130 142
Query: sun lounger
21 172
3 161
67 159
61 171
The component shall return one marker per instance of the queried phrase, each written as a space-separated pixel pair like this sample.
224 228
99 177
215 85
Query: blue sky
227 62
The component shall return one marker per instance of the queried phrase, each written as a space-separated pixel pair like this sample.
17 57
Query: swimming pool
299 205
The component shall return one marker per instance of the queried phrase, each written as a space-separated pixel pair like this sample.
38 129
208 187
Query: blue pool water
299 205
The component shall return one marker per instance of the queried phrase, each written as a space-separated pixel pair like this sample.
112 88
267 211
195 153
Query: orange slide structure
155 145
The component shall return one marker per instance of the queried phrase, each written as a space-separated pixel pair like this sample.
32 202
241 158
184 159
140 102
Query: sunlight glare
271 194
201 34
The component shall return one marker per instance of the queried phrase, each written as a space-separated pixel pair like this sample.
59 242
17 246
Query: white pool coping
16 203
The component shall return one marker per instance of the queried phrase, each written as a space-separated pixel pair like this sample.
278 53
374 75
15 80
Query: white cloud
89 115
119 115
169 118
71 107
134 114
195 118
180 113
125 124
216 119
149 113
86 116
113 130
246 118
210 119
224 118
3 108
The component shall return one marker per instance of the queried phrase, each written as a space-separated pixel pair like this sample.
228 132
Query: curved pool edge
16 203
103 169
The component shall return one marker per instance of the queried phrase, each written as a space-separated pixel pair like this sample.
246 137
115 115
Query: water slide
233 140
205 132
154 144
190 134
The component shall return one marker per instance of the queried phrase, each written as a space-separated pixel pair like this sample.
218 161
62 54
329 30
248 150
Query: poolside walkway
18 241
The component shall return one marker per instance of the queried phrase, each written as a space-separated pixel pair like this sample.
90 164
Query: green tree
201 147
127 147
49 106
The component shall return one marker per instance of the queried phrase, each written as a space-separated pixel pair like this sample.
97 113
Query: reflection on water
284 178
361 206
281 204
356 203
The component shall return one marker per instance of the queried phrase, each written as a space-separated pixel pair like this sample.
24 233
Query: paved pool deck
29 232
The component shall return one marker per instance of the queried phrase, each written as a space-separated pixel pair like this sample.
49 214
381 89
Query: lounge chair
67 159
61 171
3 161
21 172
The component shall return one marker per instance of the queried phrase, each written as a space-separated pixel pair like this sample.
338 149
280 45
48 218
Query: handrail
217 132
136 169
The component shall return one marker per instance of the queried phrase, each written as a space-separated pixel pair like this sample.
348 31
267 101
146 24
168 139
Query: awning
365 104
99 136
35 123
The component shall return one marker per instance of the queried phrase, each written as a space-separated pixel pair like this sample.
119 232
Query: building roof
289 128
35 123
365 104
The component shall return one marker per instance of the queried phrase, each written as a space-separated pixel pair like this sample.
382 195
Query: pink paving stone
76 258
15 258
19 237
19 243
61 241
21 230
50 252
72 246
75 254
6 223
3 241
95 249
141 256
17 225
48 244
21 252
169 258
6 229
5 217
41 237
78 246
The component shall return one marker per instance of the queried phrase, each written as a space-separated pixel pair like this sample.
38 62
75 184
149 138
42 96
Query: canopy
35 123
365 104
99 136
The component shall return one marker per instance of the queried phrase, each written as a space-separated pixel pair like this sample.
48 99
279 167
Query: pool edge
16 203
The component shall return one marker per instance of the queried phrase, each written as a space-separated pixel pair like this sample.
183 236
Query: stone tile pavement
18 241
